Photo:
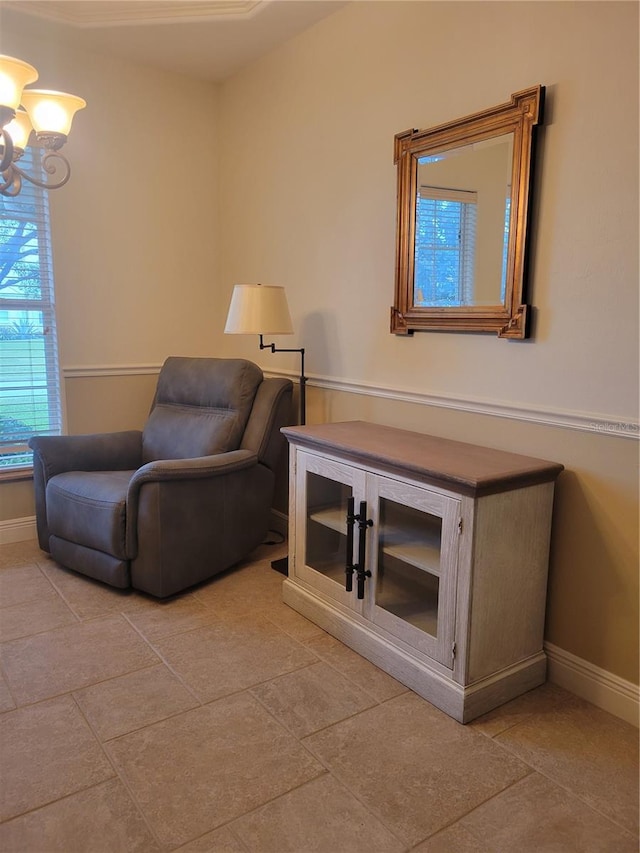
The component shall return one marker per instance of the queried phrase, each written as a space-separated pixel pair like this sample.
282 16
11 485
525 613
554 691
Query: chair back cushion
201 407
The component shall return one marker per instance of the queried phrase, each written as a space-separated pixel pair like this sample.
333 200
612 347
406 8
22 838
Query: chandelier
23 112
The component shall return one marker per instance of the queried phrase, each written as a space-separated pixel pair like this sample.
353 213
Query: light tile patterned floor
224 721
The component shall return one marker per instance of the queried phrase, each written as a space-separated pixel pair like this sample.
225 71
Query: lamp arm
303 378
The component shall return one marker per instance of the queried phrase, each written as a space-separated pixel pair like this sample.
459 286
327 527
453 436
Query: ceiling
210 39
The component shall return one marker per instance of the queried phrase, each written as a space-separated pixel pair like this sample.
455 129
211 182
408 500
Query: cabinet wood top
455 465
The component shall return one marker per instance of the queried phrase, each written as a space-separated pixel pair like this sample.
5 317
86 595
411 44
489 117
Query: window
445 245
29 376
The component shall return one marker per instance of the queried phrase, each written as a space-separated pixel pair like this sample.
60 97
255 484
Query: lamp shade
51 112
258 309
14 76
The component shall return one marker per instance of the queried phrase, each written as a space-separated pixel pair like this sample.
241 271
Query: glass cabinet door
324 488
412 594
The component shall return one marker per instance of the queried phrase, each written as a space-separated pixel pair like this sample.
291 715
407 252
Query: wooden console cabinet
427 556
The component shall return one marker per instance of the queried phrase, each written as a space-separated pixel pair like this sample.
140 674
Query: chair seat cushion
89 508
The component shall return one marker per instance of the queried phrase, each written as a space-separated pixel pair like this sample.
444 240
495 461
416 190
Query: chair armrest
169 478
272 409
54 454
218 465
112 451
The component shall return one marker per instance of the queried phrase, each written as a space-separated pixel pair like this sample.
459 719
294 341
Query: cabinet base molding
462 703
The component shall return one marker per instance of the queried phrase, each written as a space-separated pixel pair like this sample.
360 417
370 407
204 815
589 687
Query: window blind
505 248
29 375
445 246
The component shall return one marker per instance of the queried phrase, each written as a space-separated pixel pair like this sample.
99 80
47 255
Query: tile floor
224 721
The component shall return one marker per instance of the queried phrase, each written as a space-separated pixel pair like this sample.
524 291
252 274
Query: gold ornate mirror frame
511 126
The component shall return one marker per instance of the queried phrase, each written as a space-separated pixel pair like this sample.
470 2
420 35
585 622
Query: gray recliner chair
185 498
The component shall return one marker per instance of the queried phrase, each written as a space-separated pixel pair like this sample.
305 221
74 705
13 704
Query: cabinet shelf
330 569
423 618
333 517
414 546
415 553
409 600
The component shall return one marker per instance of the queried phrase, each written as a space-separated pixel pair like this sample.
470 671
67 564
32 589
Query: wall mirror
463 202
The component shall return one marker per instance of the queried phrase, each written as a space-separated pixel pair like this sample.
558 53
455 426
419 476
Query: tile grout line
327 772
481 804
192 690
568 791
327 768
77 790
367 807
162 660
248 690
57 590
352 680
112 615
121 777
284 725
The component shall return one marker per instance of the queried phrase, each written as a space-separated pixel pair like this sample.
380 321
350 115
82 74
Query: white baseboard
17 530
279 522
596 685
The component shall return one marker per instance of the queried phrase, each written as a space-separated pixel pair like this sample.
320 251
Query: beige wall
134 232
593 582
305 197
308 191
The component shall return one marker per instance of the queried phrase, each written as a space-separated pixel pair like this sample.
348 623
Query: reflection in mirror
463 202
463 194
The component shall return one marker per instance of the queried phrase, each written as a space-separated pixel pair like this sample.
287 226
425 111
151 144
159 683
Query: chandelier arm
7 149
51 162
12 182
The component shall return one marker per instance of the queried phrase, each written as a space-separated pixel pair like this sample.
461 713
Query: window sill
9 475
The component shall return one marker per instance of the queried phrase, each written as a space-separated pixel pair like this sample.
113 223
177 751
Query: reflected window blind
445 246
29 375
505 248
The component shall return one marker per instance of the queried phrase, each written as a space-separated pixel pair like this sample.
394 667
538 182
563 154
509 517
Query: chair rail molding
602 424
612 425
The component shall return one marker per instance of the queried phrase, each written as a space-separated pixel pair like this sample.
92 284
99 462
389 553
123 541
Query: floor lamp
261 309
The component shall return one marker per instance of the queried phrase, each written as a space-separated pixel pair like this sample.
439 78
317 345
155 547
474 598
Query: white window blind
29 375
445 246
505 248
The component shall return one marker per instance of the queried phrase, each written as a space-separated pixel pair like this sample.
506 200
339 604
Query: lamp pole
303 378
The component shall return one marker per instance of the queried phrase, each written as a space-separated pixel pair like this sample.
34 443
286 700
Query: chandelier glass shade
32 116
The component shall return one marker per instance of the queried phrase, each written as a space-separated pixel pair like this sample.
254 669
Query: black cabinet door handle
349 567
363 524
